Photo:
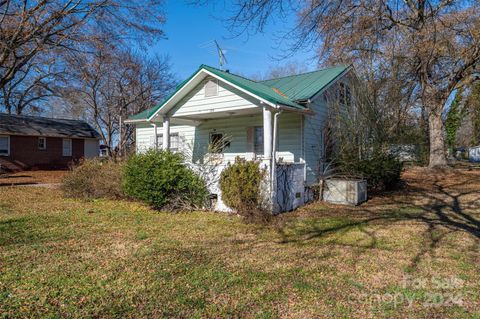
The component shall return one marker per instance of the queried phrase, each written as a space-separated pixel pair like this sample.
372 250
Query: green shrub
241 186
94 179
382 171
161 179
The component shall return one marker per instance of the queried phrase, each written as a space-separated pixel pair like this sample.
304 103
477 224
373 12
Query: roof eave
52 135
135 121
294 109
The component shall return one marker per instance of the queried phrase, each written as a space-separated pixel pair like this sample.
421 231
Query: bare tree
32 87
107 87
31 28
434 44
278 71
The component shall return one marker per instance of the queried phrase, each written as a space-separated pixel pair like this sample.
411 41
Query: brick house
30 142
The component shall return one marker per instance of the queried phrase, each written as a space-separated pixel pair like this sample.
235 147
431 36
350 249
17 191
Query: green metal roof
143 115
286 91
304 86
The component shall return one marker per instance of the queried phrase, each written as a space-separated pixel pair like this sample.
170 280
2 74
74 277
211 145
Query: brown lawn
412 253
32 177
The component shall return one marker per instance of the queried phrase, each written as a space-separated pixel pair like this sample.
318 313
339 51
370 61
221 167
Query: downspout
274 155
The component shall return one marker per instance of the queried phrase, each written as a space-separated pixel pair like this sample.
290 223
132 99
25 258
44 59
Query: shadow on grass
17 184
16 231
14 176
443 207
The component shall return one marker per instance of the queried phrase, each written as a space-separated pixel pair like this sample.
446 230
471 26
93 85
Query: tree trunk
437 140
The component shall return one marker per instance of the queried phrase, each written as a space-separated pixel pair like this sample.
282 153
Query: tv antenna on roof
222 60
214 47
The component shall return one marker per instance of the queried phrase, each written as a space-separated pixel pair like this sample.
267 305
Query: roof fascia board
135 121
193 77
239 88
292 109
53 135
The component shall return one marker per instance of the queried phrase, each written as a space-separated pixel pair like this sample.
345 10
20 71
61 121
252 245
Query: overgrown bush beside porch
241 185
94 178
158 178
161 179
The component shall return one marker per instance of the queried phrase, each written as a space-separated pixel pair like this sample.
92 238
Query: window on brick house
4 145
42 143
67 147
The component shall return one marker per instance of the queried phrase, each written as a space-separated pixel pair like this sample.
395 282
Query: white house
279 122
474 154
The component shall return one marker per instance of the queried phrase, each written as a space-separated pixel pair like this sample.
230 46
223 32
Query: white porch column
156 134
267 133
166 133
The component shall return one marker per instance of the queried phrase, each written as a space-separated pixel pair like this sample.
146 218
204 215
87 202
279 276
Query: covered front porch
259 133
254 134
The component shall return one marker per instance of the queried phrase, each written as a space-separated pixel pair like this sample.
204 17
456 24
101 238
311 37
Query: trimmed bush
241 186
382 171
94 179
160 179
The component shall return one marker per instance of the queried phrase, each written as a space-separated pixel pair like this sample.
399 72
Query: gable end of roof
290 91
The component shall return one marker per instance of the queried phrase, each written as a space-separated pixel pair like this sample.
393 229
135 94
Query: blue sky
190 31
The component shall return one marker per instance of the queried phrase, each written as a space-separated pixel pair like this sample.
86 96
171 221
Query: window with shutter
211 87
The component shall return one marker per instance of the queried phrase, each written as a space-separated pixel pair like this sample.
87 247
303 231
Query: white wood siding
145 137
289 137
313 138
228 99
314 129
290 145
195 140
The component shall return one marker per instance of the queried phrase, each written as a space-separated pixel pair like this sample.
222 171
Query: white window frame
8 145
211 80
226 142
160 141
65 154
44 139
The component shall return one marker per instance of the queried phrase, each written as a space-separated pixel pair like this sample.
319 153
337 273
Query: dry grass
67 258
32 177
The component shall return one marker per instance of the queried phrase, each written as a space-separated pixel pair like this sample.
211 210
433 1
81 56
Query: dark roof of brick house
44 126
